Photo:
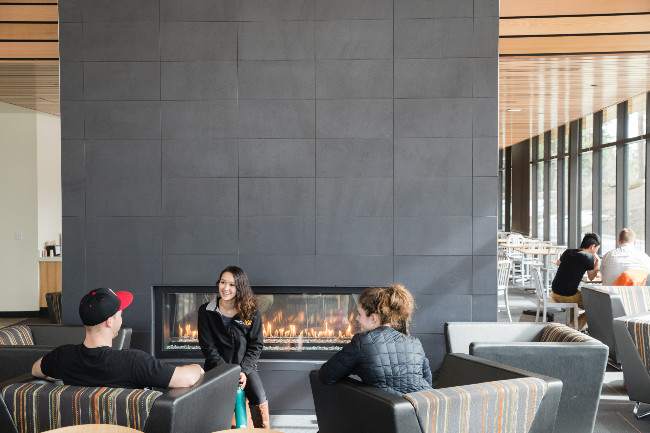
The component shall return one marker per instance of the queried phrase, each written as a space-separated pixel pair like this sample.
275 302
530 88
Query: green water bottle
240 409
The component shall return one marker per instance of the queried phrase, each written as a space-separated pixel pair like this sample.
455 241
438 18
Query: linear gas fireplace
298 322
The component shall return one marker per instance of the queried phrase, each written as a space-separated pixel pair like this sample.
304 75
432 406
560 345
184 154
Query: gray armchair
549 349
17 360
632 334
205 407
605 303
349 406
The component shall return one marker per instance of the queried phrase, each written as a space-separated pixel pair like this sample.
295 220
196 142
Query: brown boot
260 415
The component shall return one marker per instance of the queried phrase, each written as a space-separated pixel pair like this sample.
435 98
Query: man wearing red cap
95 363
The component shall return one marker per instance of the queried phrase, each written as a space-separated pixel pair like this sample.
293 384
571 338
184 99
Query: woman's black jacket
383 357
241 343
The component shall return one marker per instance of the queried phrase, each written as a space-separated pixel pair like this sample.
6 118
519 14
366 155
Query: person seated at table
571 267
623 258
383 354
95 363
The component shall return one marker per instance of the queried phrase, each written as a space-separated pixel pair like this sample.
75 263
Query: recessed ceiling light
514 109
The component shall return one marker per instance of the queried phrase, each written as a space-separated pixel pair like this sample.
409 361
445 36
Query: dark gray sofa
204 407
18 360
579 365
352 407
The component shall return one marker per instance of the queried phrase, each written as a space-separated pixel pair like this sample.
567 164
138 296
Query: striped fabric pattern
636 299
639 329
504 406
54 303
16 335
37 407
558 333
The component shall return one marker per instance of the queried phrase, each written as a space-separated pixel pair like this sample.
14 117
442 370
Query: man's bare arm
37 372
185 375
594 272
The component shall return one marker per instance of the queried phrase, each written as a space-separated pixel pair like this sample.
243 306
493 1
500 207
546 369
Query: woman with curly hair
383 354
230 331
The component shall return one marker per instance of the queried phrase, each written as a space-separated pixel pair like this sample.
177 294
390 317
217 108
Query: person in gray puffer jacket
383 354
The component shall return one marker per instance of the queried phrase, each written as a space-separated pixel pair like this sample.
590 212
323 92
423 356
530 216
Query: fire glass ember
291 322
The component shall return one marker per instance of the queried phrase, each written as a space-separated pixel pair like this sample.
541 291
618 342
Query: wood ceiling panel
575 25
28 1
617 43
31 85
551 91
29 50
29 13
26 32
541 8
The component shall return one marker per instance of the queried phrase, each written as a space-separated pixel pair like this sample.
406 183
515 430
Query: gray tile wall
312 142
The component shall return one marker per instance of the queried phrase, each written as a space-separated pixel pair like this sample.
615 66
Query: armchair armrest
207 406
459 335
349 406
57 335
18 360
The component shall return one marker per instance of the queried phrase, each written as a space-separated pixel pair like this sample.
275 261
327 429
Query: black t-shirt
573 264
75 364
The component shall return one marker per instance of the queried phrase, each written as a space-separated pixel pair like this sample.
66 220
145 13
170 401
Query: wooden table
94 428
597 280
546 253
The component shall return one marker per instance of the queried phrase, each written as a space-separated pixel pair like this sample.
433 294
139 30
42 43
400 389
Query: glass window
503 199
609 199
587 133
553 201
540 147
609 125
636 116
586 213
566 203
554 142
540 200
636 191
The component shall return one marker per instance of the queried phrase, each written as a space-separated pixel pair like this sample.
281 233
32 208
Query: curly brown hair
245 299
393 305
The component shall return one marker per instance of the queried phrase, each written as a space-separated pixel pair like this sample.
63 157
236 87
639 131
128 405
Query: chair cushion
37 406
504 406
16 335
558 333
632 277
639 329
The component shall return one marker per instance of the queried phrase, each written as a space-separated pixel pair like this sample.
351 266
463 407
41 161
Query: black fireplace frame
157 326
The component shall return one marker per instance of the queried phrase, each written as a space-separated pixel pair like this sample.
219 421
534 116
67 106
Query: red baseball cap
100 304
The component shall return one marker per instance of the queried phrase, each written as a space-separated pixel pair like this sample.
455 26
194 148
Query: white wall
48 137
18 209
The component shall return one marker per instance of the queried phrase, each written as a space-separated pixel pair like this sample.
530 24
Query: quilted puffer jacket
383 357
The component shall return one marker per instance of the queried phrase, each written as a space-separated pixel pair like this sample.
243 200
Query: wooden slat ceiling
29 54
559 60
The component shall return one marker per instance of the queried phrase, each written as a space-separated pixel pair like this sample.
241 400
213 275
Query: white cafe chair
515 240
502 284
544 301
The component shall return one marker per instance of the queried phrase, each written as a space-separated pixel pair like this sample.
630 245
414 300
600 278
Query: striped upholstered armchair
632 335
576 359
38 406
486 391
